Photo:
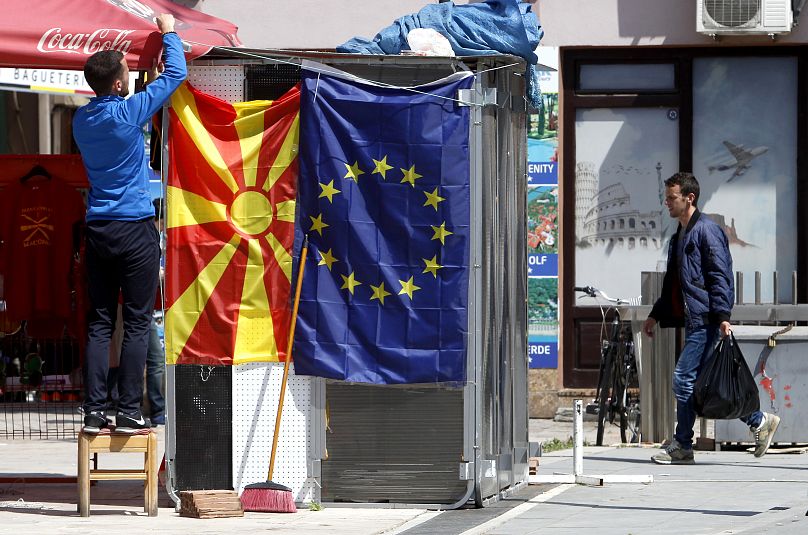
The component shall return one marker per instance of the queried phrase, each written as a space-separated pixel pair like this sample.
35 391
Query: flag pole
289 343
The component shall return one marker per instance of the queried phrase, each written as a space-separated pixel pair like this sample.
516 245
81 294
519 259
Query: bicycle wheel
621 389
604 392
632 402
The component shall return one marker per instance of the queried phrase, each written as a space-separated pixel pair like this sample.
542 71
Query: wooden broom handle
289 344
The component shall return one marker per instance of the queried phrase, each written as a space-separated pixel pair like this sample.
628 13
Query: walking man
697 294
123 251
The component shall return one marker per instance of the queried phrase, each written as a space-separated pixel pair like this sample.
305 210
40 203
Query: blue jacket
701 291
109 133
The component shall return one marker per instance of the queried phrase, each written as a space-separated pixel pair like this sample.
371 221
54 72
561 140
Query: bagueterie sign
49 81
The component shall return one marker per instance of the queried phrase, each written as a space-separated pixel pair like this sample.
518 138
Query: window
626 77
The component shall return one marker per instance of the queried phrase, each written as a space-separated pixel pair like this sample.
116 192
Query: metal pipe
757 287
578 439
793 287
738 288
775 289
44 123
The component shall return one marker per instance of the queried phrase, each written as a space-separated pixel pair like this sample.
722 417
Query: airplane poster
741 159
745 157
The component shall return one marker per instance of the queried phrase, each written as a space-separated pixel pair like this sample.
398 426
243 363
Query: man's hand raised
165 22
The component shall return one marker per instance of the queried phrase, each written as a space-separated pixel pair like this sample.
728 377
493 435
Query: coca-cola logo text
54 40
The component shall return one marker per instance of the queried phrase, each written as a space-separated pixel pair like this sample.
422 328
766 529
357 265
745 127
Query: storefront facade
645 94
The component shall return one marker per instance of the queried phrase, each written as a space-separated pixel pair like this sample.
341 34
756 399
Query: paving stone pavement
725 493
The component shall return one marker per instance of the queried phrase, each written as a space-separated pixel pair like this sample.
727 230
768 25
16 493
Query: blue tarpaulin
492 27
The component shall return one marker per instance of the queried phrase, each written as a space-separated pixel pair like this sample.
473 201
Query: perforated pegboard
256 389
222 81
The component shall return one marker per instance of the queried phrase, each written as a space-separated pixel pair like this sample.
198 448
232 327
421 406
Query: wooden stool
105 442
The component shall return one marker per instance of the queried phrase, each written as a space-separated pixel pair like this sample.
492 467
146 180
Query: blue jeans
155 367
697 351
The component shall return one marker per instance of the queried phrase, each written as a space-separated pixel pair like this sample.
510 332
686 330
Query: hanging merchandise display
40 232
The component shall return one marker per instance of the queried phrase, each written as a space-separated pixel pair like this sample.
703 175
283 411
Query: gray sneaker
765 433
674 454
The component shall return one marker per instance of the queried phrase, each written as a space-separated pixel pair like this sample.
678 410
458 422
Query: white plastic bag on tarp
428 42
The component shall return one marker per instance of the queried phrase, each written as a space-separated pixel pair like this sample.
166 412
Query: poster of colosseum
744 154
620 228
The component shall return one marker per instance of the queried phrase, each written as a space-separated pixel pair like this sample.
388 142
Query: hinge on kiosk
464 96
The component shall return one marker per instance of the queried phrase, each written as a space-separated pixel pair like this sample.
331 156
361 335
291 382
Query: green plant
315 506
556 444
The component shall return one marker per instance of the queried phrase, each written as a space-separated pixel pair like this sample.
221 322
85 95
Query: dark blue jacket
109 133
701 292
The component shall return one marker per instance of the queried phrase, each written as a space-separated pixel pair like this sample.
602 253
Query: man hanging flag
231 209
384 195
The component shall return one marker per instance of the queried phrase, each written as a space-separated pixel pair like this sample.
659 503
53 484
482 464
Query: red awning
64 33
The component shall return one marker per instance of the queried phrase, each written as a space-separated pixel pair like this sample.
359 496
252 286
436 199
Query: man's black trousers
123 259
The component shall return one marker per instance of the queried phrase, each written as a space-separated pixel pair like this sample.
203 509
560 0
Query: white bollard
578 475
578 439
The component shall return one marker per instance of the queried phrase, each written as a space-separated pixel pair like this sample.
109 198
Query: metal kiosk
439 446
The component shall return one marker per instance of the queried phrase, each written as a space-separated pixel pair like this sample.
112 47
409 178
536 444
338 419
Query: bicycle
617 397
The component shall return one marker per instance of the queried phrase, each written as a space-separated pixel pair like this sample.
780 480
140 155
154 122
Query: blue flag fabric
384 199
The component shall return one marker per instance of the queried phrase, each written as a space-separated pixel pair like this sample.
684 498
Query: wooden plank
210 504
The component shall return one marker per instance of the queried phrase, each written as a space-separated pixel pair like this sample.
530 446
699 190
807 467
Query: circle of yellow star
318 225
353 171
382 167
327 259
349 283
379 292
328 191
433 199
432 266
410 176
408 287
440 232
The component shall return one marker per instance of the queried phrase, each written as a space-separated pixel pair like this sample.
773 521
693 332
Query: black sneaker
132 423
95 422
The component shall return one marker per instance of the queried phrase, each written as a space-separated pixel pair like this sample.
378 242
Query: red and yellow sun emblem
231 211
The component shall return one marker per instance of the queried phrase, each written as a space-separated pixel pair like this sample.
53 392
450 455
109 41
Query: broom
271 497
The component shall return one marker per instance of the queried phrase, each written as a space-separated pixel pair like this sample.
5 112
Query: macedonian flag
231 211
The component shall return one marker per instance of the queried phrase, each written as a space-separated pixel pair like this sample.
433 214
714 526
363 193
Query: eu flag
384 199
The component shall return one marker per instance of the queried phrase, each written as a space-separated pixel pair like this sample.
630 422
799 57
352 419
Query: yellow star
353 171
408 287
349 283
379 292
382 167
318 225
328 191
410 176
432 199
440 232
432 266
327 259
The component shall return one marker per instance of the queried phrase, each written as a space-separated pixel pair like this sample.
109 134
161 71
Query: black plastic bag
726 390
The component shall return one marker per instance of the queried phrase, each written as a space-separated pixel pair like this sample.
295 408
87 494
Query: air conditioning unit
744 17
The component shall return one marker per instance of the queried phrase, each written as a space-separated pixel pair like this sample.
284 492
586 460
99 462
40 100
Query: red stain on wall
766 383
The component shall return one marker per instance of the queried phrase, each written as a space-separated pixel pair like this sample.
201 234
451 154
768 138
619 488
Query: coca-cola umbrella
62 34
